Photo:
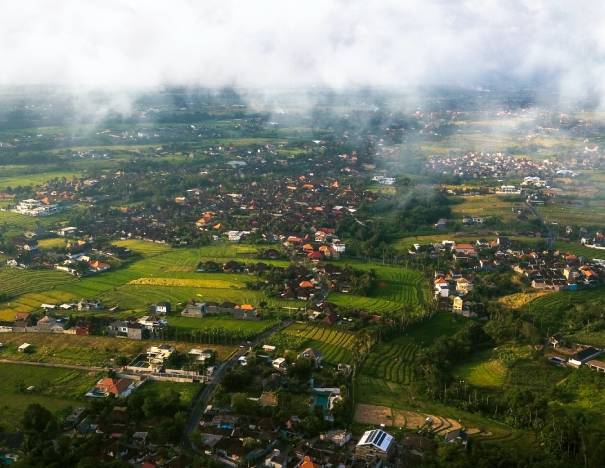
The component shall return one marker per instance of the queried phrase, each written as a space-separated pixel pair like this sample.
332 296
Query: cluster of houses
494 165
323 245
223 437
544 270
28 323
79 259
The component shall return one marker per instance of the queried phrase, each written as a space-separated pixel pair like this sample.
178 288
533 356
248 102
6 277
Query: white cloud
280 43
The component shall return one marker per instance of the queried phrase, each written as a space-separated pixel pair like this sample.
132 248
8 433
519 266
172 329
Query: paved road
52 364
206 394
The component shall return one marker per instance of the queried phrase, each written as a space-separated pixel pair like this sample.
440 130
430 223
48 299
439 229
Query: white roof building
377 438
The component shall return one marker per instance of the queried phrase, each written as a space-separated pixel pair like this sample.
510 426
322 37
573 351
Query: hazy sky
282 43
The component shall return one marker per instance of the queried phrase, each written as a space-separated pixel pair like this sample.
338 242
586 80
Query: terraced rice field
397 288
335 345
392 362
485 370
548 309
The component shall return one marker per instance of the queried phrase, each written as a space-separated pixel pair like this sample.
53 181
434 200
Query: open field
590 213
55 389
52 243
483 370
484 206
18 223
334 344
191 323
32 179
186 391
186 282
94 351
142 282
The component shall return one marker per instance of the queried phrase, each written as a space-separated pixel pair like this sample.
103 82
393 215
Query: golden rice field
187 283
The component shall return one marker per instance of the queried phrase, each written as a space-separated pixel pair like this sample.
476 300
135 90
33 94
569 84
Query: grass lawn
55 389
187 391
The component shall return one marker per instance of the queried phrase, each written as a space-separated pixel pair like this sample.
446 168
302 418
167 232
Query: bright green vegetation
18 223
93 351
30 288
56 389
186 391
484 369
586 214
392 362
33 179
252 326
397 289
555 312
484 206
335 345
390 365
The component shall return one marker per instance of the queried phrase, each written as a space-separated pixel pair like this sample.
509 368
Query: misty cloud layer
329 43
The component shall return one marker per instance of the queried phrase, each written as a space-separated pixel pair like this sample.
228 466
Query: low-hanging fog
406 44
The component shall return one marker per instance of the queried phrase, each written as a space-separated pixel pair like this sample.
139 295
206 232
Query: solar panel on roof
381 438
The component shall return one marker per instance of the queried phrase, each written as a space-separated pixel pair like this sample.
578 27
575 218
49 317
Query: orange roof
308 463
308 186
113 386
305 284
307 247
246 307
465 246
217 226
324 248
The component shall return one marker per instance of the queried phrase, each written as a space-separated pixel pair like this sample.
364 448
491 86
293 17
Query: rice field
186 283
483 370
392 362
140 283
335 345
396 288
192 323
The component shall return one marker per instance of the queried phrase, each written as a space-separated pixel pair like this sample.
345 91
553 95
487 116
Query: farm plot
397 288
335 345
253 326
139 283
483 370
94 351
392 362
186 282
55 389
